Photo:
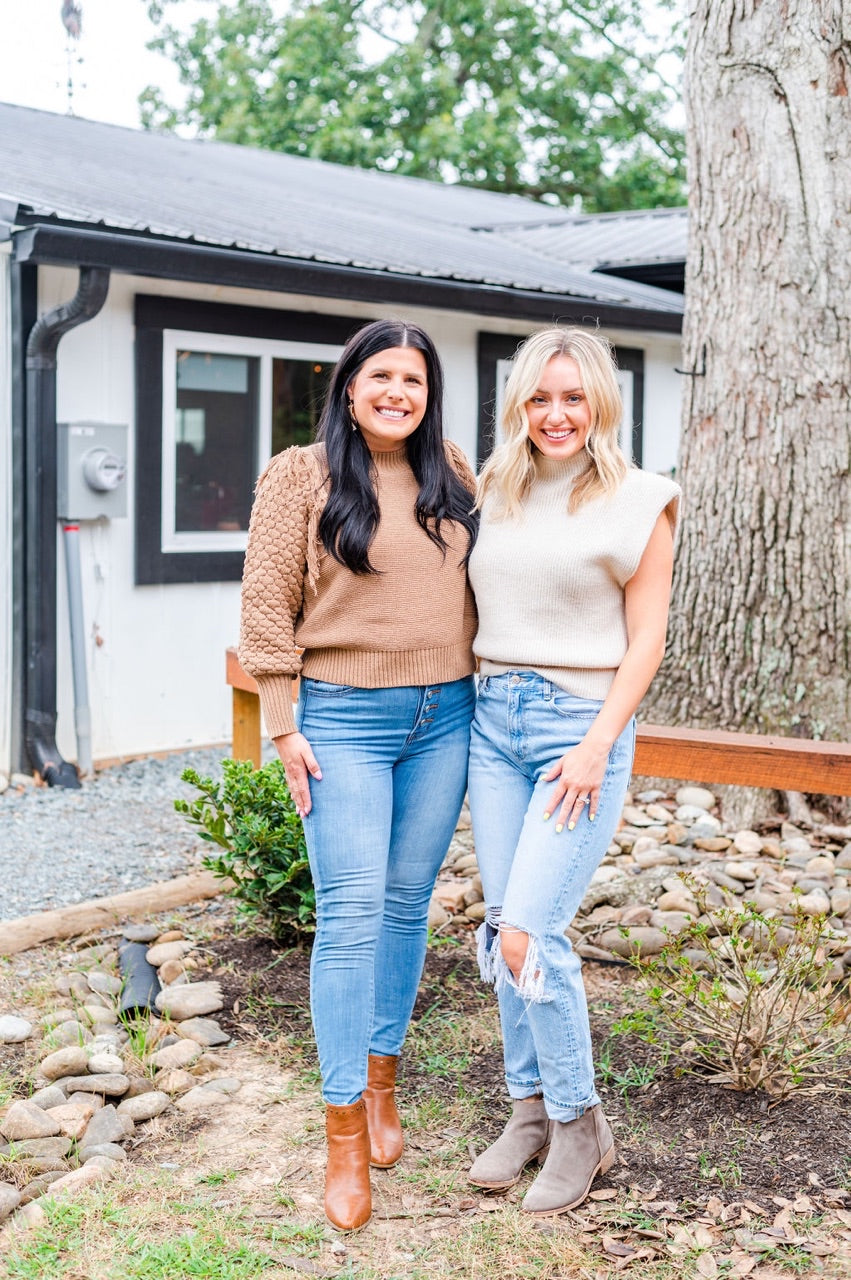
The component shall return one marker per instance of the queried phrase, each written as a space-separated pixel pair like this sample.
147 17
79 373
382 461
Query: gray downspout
41 516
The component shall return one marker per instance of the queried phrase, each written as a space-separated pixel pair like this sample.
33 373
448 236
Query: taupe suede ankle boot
348 1197
526 1137
579 1150
385 1127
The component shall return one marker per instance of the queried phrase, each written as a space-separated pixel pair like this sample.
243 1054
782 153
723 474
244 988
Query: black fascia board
208 264
662 275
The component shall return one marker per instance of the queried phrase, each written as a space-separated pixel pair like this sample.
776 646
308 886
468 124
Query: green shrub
250 816
747 1000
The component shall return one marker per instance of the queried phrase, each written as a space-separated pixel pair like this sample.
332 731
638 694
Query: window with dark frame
219 389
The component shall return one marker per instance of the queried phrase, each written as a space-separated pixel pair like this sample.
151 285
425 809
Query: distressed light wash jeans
394 773
534 878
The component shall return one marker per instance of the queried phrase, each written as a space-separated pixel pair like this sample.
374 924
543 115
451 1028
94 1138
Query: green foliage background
560 100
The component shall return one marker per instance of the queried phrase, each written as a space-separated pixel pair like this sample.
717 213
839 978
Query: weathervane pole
72 21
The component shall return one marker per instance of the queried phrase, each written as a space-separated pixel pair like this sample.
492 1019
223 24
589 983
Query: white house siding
5 516
155 653
663 389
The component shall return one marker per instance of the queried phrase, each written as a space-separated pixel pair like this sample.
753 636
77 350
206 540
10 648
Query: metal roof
591 241
124 180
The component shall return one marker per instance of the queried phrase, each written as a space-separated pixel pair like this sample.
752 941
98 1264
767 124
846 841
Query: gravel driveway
119 832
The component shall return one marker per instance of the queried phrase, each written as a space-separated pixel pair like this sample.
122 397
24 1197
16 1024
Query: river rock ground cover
708 1181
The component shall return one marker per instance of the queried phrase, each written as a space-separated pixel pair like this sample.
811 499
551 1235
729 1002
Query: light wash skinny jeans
534 878
394 773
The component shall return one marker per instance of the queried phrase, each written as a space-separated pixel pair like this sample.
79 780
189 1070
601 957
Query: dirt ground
680 1136
707 1182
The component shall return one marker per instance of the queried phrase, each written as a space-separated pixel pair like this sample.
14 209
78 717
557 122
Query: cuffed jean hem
564 1114
520 1089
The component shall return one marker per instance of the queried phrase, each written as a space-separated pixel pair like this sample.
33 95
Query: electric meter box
91 470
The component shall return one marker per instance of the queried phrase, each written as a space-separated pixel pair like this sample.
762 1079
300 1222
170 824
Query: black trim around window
154 314
493 347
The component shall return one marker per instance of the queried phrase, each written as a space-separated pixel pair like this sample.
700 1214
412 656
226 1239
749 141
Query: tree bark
761 621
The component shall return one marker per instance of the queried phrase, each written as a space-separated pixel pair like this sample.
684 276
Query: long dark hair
351 515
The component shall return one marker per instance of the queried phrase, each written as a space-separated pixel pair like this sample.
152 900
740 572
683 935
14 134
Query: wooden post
246 727
246 743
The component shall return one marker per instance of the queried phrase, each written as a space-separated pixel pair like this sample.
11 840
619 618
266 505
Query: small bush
747 1005
250 816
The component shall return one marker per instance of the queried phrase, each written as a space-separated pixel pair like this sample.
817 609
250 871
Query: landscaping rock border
100 1080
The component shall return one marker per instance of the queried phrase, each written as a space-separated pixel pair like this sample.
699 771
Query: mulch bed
682 1138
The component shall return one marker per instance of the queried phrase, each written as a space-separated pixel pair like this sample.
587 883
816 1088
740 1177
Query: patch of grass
159 1239
727 1173
305 1238
510 1245
443 1043
636 1075
428 1178
218 1177
143 1041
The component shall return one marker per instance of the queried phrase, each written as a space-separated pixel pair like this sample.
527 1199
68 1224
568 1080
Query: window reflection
215 441
298 388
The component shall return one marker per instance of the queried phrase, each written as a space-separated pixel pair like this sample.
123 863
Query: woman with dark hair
356 579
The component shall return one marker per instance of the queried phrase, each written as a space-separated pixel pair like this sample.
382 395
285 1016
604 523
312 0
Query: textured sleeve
458 462
273 585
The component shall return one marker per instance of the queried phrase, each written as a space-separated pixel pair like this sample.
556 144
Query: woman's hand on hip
298 761
580 773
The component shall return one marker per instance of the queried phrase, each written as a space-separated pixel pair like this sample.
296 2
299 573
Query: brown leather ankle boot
385 1127
348 1198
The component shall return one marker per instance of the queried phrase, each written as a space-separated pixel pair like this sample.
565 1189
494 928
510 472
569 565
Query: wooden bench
691 755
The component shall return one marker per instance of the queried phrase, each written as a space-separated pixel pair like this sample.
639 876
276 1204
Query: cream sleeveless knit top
549 583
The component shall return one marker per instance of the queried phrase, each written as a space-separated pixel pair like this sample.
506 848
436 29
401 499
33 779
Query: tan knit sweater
411 623
549 583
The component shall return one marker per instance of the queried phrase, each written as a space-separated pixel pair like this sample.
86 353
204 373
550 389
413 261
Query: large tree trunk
761 623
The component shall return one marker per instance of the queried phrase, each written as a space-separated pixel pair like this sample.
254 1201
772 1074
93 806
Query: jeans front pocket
325 689
569 707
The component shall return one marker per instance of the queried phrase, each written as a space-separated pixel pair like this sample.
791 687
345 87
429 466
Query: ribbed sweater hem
364 670
582 682
386 669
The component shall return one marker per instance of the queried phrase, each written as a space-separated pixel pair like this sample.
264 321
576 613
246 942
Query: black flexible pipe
40 558
141 982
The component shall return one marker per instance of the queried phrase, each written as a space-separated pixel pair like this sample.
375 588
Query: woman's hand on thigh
299 762
580 773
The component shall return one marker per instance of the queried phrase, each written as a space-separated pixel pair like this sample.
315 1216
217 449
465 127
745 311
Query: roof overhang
141 255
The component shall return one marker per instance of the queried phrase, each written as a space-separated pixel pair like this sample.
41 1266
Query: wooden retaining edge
99 913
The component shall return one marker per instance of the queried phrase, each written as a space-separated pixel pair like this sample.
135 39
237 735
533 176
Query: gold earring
352 414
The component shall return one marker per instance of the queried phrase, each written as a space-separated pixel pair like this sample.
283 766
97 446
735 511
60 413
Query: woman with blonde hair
572 577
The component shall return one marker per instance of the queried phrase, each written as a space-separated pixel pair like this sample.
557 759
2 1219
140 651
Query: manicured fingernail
571 825
591 817
559 827
546 815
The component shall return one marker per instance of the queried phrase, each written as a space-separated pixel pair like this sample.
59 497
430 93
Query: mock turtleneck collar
391 459
561 468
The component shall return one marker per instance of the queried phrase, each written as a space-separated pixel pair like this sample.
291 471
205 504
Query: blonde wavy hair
508 472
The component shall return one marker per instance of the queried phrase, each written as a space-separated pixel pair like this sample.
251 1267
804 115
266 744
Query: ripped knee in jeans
525 972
